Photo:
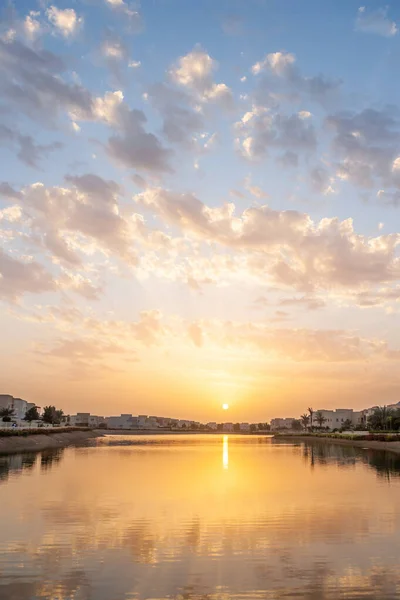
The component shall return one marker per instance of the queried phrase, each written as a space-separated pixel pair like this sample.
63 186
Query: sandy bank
372 445
30 443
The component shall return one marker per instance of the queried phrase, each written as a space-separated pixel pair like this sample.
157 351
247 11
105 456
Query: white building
244 426
122 422
227 426
19 406
212 425
334 419
282 423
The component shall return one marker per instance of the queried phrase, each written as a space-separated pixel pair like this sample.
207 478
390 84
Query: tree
296 425
261 426
319 417
32 414
236 427
6 414
304 419
347 424
381 418
52 415
253 427
311 411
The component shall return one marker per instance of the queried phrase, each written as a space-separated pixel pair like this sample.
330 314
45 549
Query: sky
199 205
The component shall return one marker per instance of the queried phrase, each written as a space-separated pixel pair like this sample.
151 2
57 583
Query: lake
200 517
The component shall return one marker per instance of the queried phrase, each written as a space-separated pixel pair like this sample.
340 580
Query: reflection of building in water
225 452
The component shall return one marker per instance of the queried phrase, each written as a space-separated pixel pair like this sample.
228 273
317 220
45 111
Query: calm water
190 517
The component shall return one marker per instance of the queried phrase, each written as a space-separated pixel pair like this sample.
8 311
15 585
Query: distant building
122 422
334 419
244 426
227 427
285 423
19 406
212 426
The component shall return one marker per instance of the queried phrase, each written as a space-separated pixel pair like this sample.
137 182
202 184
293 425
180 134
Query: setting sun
225 406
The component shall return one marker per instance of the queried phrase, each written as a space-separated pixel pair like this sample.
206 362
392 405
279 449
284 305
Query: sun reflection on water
225 452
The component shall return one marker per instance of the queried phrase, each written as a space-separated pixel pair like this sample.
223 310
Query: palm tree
381 417
311 411
6 414
304 420
320 418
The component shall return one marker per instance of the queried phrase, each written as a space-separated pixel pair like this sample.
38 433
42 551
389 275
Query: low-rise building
285 423
334 419
18 405
212 425
122 422
244 426
227 427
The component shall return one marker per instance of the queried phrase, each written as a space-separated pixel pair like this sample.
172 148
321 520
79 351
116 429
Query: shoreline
35 443
363 444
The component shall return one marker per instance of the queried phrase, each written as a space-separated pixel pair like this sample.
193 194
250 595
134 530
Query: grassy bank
15 432
372 437
42 439
374 441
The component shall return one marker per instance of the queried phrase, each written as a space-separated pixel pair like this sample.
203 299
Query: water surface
200 517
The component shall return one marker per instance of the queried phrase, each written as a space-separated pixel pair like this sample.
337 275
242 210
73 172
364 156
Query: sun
225 406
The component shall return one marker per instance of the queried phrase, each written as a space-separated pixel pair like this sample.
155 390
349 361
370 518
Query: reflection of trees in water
14 464
50 457
74 584
385 463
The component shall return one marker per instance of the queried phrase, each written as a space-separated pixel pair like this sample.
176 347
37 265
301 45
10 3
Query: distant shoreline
50 438
363 444
13 444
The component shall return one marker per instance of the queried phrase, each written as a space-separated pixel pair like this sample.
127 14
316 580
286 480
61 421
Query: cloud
279 63
286 246
194 71
321 181
261 130
283 66
18 277
89 208
367 142
254 190
307 302
375 21
31 81
180 121
137 149
28 151
131 16
66 22
130 145
195 333
8 191
32 26
296 344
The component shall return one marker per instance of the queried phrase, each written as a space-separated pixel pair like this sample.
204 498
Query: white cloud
278 62
288 246
65 21
194 71
113 50
32 27
304 114
134 64
375 21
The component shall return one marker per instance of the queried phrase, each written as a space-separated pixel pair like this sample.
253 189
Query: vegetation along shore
373 441
42 439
